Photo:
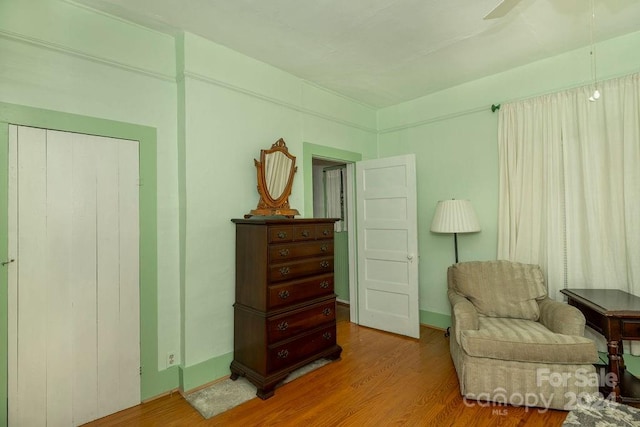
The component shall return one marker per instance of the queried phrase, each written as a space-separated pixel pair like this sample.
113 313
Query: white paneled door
388 245
74 328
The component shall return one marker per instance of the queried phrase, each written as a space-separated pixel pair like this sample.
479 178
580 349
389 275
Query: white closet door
74 351
387 228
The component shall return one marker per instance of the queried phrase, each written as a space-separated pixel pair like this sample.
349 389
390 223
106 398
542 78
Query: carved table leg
615 361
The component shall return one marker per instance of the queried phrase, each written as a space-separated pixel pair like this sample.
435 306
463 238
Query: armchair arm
561 318
463 314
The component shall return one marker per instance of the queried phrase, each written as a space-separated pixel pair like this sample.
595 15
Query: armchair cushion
501 288
525 341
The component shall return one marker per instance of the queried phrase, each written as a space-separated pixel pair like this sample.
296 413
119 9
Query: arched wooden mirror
275 170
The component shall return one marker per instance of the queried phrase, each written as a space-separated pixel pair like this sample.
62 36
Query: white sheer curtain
602 151
334 197
570 186
531 213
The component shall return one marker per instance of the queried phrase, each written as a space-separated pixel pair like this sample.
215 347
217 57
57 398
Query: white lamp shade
455 216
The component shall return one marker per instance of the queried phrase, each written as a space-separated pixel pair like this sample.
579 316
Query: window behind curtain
334 196
570 186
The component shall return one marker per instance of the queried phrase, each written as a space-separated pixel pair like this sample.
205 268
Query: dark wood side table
616 315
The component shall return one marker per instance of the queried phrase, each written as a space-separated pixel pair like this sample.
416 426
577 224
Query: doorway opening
333 198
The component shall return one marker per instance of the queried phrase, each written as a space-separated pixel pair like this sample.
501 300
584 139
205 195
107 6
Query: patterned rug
599 412
227 394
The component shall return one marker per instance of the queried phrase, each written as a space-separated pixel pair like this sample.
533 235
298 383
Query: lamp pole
455 244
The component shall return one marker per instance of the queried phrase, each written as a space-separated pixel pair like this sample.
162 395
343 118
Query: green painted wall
453 134
212 110
234 106
455 158
68 27
55 56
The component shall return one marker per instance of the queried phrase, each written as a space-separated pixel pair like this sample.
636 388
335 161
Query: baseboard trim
192 377
435 320
203 386
158 396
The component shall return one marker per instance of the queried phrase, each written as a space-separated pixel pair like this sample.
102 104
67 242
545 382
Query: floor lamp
455 216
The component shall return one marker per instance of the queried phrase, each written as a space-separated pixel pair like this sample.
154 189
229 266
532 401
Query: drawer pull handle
282 326
282 234
324 284
327 335
283 294
324 248
325 232
305 233
284 252
326 311
283 354
324 264
284 271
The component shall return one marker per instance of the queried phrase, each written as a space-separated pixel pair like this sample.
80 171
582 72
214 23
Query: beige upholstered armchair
510 343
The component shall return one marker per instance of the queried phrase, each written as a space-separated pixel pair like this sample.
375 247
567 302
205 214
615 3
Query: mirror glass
277 168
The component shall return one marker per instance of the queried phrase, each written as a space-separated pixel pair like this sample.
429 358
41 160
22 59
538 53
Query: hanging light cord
594 65
593 48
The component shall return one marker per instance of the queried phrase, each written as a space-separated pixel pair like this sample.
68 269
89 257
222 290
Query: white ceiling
383 52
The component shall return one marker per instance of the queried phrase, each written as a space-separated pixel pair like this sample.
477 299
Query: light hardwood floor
381 380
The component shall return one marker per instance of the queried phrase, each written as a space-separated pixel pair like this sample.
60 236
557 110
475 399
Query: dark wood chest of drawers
285 308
